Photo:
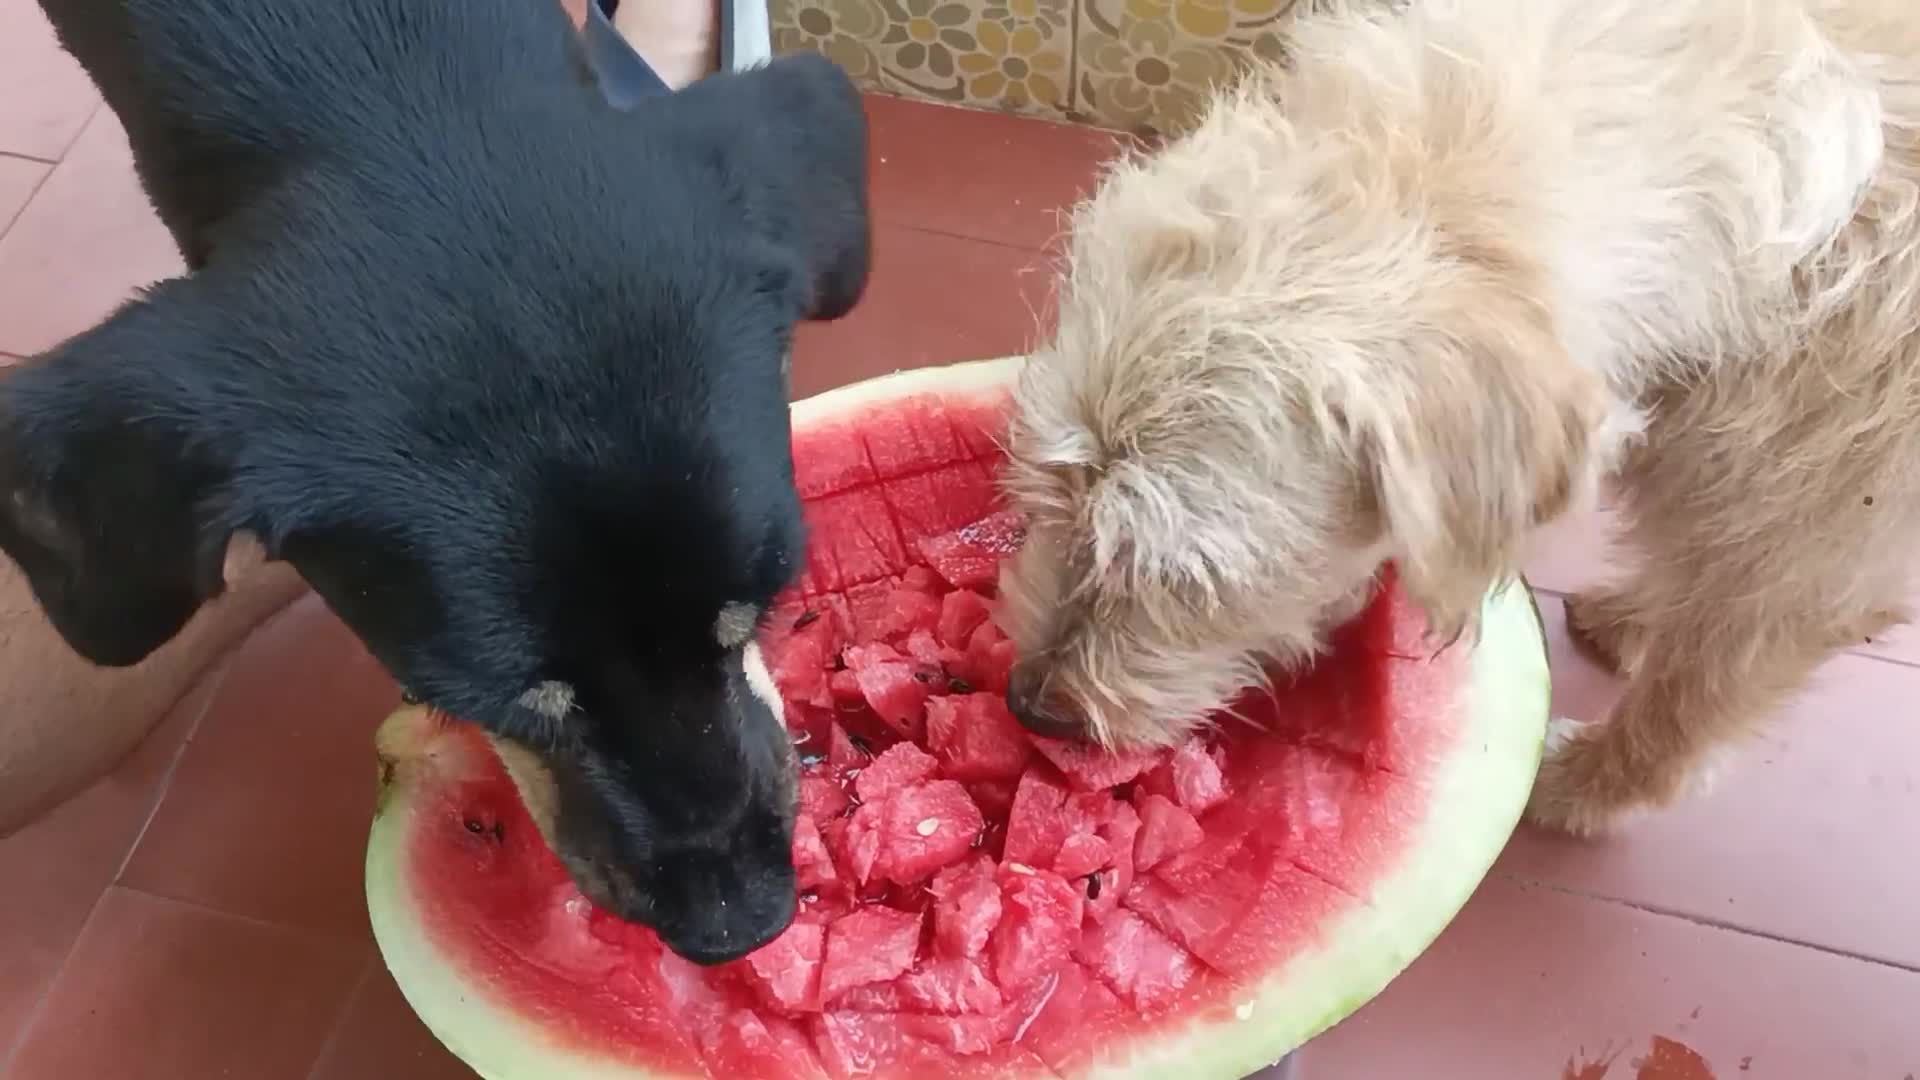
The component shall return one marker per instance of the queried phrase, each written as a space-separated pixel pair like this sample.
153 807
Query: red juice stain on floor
1580 1069
1666 1059
1670 1060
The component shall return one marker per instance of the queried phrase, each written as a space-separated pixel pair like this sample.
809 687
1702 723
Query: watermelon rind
1479 787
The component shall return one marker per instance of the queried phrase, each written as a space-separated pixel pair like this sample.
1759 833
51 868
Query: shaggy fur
1420 292
499 369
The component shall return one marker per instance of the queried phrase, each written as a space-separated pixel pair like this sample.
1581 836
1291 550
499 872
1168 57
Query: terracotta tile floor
198 913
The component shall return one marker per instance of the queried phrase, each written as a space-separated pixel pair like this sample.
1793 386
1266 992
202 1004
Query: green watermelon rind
1479 791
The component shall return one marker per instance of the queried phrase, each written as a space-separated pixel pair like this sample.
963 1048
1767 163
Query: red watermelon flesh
870 944
976 901
1165 829
899 766
969 556
966 908
976 737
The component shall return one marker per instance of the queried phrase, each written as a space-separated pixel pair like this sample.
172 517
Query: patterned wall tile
1147 65
1014 55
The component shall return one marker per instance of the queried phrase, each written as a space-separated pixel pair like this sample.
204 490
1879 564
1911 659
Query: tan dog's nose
1026 693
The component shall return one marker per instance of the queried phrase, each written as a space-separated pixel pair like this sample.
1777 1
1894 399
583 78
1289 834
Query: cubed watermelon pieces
898 766
969 557
1198 782
961 613
908 610
1060 918
893 686
950 985
1037 824
985 663
822 797
786 971
747 1044
856 1044
812 863
844 757
1090 769
800 666
976 738
925 650
1138 962
1119 827
929 826
1166 828
993 797
923 579
912 832
966 907
1040 914
868 945
1079 1009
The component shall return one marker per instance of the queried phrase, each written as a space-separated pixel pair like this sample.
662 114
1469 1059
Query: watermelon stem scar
978 901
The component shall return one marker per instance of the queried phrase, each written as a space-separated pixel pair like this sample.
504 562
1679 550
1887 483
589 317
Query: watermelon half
979 902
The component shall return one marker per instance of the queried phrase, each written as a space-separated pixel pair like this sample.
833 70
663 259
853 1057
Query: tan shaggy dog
1419 292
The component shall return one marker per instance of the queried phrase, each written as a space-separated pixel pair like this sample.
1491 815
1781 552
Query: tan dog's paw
1580 789
1601 626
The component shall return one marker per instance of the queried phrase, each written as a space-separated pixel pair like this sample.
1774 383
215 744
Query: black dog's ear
791 139
107 491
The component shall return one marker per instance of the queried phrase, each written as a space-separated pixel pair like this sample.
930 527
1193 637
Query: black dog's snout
712 928
730 928
738 937
1026 699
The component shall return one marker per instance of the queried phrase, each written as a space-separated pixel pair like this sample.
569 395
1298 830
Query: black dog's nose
1025 699
724 936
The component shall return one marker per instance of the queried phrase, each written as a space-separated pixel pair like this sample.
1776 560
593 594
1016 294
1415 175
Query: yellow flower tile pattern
1134 65
1147 65
998 54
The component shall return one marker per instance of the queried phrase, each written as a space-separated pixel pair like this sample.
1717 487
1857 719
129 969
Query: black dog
500 369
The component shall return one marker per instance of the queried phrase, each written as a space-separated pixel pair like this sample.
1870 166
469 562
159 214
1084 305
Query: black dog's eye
408 697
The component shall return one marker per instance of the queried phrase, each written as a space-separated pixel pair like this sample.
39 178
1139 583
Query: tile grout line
1073 54
217 677
30 1019
337 1030
901 223
81 131
1912 665
39 185
15 155
1709 923
7 226
256 921
32 1016
1052 121
53 163
1563 595
224 668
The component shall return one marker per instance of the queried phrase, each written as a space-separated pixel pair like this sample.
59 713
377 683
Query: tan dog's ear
1493 433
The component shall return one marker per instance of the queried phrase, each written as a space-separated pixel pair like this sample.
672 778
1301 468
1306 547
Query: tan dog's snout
1037 710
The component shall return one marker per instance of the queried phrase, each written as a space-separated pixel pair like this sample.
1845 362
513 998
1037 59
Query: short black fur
500 369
